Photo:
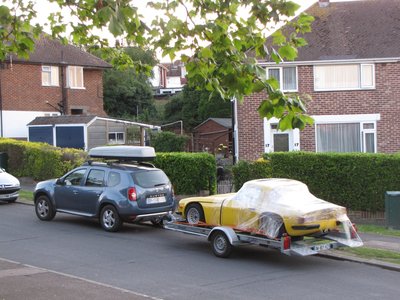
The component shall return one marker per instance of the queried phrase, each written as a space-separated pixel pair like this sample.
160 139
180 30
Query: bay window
346 136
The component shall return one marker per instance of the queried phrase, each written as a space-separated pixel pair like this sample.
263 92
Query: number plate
154 200
321 247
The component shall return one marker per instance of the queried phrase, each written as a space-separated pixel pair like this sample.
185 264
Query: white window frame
281 77
53 75
72 81
361 119
360 84
116 141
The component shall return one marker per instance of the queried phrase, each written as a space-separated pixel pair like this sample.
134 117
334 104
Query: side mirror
59 181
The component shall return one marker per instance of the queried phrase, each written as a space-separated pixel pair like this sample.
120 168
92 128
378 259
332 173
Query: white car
9 187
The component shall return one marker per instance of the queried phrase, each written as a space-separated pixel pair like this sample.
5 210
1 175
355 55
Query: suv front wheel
110 219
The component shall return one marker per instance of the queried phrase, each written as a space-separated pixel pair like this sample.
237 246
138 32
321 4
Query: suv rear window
150 178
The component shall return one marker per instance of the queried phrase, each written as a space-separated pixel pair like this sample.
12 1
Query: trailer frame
223 239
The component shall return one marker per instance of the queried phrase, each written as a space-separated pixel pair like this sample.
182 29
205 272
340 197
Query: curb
371 262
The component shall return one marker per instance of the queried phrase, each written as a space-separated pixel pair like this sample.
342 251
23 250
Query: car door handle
75 192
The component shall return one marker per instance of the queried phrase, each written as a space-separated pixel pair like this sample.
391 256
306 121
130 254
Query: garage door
70 137
41 134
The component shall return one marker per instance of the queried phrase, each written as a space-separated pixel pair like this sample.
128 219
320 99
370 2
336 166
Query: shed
85 132
212 133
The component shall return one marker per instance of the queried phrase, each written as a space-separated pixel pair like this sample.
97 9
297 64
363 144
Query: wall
24 97
383 100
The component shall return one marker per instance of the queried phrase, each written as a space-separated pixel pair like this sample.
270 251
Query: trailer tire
220 244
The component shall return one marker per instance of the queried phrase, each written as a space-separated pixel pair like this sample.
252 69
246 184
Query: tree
128 93
225 44
193 107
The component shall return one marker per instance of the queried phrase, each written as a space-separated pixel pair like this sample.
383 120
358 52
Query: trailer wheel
220 244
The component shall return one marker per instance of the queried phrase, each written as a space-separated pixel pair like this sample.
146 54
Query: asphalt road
169 265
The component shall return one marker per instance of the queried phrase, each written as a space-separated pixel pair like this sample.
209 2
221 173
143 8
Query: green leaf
285 122
206 52
288 52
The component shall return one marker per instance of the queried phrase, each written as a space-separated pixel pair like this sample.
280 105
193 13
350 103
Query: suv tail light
132 196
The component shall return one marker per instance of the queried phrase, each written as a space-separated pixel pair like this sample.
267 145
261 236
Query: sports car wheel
220 244
194 214
110 219
44 208
272 225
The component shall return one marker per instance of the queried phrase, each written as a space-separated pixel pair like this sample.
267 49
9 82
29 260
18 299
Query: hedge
189 172
39 161
357 181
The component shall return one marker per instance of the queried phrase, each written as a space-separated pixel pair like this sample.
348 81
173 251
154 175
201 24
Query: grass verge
26 195
378 230
372 253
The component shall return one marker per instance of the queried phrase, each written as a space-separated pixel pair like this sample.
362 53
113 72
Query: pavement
19 281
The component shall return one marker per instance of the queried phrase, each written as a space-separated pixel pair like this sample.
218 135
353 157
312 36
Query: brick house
56 79
351 70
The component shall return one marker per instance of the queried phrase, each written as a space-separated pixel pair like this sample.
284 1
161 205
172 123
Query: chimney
323 3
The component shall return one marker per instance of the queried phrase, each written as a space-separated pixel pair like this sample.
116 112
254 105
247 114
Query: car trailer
223 239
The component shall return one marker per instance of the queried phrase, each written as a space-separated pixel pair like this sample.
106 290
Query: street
170 265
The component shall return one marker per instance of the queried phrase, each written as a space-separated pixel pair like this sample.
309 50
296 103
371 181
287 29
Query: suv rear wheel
110 219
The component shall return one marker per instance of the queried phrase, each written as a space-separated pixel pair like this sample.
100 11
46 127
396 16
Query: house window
286 77
50 76
116 138
344 77
75 77
346 137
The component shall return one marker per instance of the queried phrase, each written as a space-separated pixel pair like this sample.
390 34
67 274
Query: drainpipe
1 100
64 100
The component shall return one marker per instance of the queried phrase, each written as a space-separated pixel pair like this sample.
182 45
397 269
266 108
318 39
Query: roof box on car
135 153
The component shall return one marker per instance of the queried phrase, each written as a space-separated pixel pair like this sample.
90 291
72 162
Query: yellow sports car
269 207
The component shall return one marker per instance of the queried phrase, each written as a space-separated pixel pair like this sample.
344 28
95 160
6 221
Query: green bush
39 160
168 142
189 172
245 171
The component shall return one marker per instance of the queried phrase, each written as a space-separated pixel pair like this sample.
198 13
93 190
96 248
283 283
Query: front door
280 141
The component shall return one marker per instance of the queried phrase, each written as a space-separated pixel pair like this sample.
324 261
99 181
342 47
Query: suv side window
114 179
75 178
95 178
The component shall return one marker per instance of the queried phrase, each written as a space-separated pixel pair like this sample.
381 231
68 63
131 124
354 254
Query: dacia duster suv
113 192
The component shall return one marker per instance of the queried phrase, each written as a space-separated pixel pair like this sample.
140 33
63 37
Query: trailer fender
229 232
